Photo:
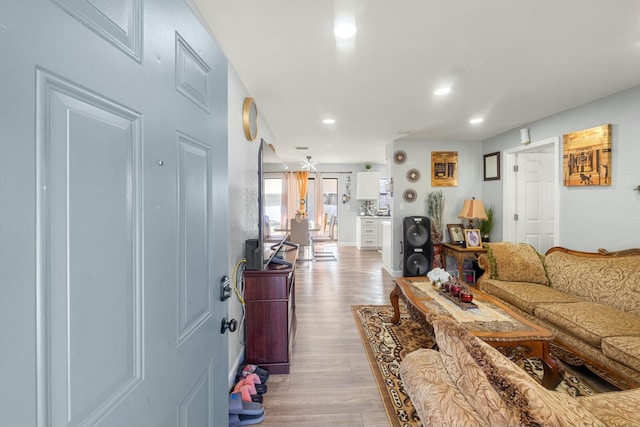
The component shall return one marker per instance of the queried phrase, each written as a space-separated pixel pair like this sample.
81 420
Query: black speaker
417 248
253 255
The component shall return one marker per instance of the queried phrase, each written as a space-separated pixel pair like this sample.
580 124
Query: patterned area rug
387 344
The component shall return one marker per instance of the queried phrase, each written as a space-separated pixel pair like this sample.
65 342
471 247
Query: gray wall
590 217
419 157
243 199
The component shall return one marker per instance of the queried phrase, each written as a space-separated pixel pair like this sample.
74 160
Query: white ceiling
509 61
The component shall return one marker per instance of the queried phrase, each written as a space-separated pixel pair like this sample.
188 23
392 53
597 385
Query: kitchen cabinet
368 233
368 185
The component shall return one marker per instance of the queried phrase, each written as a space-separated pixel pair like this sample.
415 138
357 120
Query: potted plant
486 225
435 208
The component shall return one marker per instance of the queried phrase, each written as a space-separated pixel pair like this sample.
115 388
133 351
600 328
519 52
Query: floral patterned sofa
590 301
469 383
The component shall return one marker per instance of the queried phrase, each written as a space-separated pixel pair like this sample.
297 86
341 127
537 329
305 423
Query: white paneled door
113 180
536 200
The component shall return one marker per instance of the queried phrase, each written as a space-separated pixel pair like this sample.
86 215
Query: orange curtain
302 177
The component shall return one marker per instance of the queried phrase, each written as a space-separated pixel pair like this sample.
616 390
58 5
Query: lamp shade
473 209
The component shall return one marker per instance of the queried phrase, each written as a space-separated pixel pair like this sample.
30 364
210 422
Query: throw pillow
516 262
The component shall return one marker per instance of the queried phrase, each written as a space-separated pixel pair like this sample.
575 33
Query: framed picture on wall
492 166
586 157
444 168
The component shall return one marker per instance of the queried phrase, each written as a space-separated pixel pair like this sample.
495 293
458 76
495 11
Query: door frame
509 187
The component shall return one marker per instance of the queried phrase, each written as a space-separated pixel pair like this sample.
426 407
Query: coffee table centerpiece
451 288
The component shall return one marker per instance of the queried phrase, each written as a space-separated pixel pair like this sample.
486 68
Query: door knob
231 325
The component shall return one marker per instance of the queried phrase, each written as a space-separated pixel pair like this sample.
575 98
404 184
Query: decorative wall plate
409 196
399 157
413 175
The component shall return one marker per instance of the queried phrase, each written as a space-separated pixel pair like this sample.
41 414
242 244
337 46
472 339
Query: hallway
331 383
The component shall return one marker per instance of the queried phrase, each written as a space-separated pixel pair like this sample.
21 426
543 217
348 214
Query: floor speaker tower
417 248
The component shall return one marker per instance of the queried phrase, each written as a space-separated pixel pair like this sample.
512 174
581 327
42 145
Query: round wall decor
399 157
250 118
409 196
413 175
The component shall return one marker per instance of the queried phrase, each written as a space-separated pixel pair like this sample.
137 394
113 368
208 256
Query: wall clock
250 118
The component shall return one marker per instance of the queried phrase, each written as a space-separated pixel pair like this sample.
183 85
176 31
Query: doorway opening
531 191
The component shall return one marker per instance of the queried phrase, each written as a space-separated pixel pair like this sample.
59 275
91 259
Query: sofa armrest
483 263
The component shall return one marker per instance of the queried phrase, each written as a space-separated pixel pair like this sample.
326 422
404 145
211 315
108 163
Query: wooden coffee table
493 322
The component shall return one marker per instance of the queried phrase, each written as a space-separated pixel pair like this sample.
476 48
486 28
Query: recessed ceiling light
328 121
344 31
442 91
476 120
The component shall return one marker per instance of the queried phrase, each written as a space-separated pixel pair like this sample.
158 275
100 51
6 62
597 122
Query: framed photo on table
472 238
456 234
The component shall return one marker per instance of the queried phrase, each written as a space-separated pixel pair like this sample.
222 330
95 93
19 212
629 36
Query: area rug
387 344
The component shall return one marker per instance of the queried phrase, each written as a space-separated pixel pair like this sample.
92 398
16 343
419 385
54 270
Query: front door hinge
515 168
515 217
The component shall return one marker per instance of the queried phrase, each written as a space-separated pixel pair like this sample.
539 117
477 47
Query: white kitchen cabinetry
368 186
368 233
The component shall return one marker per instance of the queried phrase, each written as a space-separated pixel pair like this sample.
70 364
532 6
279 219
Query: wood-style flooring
331 383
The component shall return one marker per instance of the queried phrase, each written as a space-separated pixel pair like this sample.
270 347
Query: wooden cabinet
368 186
368 233
270 316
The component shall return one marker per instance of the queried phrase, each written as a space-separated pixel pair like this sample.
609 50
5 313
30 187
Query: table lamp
473 209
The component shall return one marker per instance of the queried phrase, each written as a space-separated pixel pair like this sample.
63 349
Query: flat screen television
268 161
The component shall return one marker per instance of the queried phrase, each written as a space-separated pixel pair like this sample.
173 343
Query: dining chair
327 237
301 236
268 237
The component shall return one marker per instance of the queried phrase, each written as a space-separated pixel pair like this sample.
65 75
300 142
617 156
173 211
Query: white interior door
531 194
114 142
535 200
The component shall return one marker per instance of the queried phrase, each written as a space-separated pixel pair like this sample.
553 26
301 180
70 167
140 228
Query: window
273 202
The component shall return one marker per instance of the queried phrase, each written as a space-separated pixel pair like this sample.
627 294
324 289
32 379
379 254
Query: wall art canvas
586 157
444 168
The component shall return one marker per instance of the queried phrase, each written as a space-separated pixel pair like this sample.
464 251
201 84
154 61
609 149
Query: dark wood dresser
270 316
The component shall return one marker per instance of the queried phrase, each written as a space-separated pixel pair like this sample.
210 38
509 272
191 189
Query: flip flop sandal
243 383
238 406
236 420
248 396
257 383
251 369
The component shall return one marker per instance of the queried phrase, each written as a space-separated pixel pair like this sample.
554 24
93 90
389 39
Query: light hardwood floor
331 383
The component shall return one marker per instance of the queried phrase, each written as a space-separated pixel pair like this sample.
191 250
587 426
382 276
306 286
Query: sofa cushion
625 350
435 396
524 295
589 321
547 408
613 281
528 400
470 379
614 408
516 262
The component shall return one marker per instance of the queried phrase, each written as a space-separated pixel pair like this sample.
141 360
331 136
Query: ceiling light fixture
476 120
308 164
345 30
328 121
442 91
